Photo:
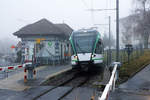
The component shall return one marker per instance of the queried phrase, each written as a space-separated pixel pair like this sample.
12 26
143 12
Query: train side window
101 48
98 49
72 53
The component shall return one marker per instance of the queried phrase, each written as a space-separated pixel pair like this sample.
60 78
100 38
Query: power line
106 13
92 13
101 9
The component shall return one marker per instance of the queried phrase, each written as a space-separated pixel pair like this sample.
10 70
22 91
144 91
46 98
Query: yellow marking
38 40
42 39
92 98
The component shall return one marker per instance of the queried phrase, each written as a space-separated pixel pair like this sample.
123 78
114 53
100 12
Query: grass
128 70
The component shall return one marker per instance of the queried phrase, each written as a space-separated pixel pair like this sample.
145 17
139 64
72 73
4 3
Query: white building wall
29 47
52 48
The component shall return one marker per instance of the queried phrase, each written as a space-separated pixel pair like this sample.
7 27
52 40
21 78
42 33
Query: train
87 49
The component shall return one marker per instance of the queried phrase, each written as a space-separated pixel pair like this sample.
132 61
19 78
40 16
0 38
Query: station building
46 42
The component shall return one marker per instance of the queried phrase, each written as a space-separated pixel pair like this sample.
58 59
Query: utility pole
109 31
117 30
117 26
109 39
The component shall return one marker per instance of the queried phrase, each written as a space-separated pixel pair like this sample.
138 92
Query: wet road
15 80
23 95
4 75
136 88
47 92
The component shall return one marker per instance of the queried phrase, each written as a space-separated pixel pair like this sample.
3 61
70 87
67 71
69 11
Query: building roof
19 45
65 28
45 27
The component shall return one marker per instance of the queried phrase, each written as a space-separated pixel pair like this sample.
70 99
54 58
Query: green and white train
87 49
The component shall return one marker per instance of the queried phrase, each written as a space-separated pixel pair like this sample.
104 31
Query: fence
110 55
111 84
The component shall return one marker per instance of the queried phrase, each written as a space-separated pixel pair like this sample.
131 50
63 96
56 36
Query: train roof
85 30
82 31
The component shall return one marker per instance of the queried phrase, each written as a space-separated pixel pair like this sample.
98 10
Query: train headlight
93 55
75 57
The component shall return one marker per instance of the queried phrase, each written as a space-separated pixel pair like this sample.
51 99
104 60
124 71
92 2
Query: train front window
84 43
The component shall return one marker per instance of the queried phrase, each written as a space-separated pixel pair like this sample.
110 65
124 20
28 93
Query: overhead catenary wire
87 6
92 10
106 6
92 13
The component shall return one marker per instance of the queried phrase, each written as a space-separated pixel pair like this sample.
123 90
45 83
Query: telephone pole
117 26
117 30
109 31
109 39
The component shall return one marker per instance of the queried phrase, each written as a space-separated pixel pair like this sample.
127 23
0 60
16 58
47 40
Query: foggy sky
14 14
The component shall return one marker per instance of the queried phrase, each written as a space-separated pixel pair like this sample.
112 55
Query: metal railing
111 84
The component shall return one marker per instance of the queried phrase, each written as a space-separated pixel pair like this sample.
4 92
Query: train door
98 53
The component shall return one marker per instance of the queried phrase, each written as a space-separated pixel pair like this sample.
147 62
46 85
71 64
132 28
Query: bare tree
144 22
126 31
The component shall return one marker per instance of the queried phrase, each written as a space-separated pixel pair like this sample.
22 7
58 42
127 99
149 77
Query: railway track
81 81
73 77
74 80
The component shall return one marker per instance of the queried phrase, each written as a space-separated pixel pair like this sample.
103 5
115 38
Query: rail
111 84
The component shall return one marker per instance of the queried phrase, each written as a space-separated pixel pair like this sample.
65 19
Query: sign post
129 50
